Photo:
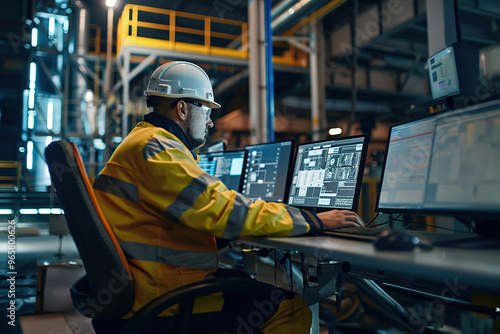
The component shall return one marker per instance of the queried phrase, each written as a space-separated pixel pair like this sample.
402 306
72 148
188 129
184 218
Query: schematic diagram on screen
326 176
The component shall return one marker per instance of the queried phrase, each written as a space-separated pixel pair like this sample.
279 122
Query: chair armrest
187 294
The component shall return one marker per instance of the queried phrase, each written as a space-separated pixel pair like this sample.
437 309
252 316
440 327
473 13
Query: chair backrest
106 292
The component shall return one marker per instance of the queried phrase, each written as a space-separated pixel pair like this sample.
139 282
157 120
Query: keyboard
355 232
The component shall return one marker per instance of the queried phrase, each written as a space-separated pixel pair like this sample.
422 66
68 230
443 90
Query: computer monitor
217 147
267 170
443 74
446 163
328 174
225 165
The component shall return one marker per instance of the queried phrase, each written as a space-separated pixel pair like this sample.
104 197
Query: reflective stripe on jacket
166 211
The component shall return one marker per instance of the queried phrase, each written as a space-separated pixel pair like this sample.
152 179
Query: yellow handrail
97 50
17 178
136 28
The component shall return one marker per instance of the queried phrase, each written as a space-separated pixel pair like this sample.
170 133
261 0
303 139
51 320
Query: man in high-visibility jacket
166 211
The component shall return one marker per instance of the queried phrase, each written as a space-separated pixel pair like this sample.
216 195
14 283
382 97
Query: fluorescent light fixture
31 98
5 211
34 37
32 72
28 211
50 114
52 25
56 211
31 121
334 131
44 211
65 26
29 156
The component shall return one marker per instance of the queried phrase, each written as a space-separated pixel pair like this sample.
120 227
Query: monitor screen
328 174
267 171
446 163
406 165
225 165
443 74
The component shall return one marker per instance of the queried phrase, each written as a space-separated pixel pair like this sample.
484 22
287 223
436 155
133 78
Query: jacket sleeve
174 185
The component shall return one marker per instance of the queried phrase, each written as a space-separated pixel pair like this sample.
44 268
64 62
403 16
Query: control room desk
478 269
451 274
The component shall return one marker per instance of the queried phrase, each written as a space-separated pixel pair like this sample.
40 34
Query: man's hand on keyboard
340 218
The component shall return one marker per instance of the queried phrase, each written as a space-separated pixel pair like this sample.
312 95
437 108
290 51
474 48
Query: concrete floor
33 247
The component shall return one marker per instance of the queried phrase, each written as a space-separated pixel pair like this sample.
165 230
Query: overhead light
28 211
34 37
99 144
31 98
334 131
66 24
89 95
33 72
52 26
29 156
31 119
110 3
50 114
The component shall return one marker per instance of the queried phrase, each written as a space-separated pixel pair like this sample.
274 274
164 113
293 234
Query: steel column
261 104
126 91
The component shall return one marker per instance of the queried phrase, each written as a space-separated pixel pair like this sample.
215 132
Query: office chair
106 292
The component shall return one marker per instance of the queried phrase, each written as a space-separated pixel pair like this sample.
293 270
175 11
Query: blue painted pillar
269 72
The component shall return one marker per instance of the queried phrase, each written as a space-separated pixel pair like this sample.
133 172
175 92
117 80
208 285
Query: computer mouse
394 240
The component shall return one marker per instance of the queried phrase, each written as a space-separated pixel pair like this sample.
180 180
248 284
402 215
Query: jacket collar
170 126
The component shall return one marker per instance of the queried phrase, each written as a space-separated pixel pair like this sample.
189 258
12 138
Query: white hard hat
181 79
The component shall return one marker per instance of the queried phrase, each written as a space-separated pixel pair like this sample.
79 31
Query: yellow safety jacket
165 211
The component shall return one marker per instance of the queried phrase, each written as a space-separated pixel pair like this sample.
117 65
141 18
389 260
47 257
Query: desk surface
452 271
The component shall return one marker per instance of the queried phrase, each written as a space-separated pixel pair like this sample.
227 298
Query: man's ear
181 109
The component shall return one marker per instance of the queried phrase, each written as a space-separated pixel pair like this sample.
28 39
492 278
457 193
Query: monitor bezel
245 155
289 169
359 180
466 214
215 147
